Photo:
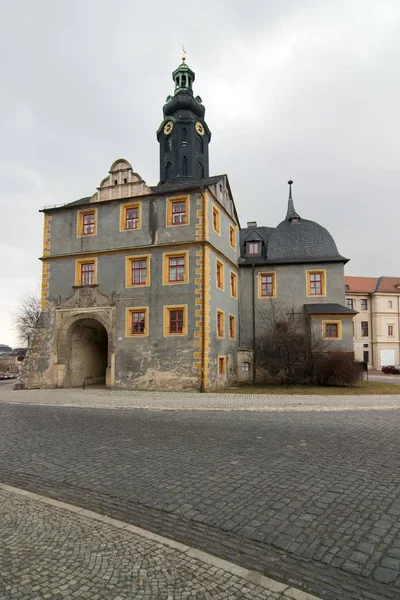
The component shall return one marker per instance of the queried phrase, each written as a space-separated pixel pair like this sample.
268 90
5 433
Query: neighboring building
140 284
376 326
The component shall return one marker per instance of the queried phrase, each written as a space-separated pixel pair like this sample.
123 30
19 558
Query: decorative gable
122 182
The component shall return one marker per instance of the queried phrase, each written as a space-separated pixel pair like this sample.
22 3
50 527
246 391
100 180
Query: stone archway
87 353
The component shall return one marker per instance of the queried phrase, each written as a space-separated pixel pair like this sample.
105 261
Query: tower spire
183 134
291 213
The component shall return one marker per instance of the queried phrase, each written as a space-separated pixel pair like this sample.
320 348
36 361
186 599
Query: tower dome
300 240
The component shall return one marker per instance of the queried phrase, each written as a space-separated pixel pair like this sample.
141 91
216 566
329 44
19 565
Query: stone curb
251 576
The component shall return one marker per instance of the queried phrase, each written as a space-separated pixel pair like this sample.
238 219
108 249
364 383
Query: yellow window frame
128 321
221 314
232 237
232 320
169 213
79 223
219 263
267 274
217 227
339 330
122 215
323 282
78 274
128 270
235 285
166 257
221 360
167 310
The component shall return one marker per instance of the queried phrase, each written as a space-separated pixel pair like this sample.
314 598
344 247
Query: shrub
336 369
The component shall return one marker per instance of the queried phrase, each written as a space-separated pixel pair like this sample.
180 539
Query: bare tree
286 347
26 317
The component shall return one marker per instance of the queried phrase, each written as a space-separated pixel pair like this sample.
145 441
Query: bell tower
183 134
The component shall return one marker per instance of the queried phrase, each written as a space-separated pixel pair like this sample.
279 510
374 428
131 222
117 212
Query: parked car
2 376
391 369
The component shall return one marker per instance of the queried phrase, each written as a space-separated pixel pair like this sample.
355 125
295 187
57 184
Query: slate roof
169 186
294 240
303 241
329 308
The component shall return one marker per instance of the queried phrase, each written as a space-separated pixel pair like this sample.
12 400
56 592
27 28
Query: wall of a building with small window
290 291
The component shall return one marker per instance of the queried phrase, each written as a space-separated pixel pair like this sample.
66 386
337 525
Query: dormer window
253 248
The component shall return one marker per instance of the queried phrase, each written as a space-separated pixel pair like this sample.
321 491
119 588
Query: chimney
251 223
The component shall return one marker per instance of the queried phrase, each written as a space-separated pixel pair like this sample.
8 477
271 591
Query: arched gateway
87 353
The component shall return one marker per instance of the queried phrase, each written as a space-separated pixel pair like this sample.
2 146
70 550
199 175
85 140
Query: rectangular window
86 271
220 324
253 248
390 329
176 267
221 365
266 285
178 211
246 367
364 328
216 220
390 304
350 303
175 320
86 224
316 284
331 330
364 304
137 321
137 270
130 217
232 237
220 275
232 327
233 285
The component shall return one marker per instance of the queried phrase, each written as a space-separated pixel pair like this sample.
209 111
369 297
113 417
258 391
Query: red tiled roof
388 285
363 285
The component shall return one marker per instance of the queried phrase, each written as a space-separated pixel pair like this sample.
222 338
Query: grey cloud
305 90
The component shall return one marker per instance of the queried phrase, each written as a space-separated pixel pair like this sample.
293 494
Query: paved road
49 552
308 496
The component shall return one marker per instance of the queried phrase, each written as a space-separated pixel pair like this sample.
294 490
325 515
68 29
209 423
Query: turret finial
183 52
291 214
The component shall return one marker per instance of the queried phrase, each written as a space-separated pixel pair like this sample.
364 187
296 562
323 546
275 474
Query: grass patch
359 389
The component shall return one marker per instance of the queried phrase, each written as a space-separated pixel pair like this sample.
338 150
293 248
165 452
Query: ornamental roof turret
183 134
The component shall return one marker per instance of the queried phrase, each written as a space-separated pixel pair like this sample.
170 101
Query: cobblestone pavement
49 553
304 495
103 398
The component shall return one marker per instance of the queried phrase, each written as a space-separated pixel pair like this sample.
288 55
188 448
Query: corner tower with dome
291 272
157 287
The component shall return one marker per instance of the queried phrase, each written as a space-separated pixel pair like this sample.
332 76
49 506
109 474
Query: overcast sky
307 90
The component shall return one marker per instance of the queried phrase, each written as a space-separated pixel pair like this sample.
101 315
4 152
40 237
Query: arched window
183 81
184 136
184 167
200 171
199 144
168 170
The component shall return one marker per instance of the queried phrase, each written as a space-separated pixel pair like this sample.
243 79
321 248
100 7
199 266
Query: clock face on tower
200 128
168 127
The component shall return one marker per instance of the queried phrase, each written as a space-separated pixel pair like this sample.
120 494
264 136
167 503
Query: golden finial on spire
183 52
